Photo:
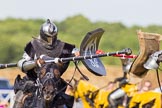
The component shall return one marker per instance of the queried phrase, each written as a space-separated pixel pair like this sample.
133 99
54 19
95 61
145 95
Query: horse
50 90
149 99
89 95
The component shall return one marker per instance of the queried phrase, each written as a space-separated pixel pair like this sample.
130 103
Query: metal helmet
48 32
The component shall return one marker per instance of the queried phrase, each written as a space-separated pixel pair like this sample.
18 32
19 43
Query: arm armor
26 64
153 60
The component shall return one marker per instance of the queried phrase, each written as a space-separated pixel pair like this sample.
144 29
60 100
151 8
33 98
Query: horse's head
49 78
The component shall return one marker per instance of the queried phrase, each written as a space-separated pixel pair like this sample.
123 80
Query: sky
128 12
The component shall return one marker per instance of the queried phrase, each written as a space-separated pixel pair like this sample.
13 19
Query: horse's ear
56 73
75 80
43 72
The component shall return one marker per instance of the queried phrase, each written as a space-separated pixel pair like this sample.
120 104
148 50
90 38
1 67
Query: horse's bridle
40 82
40 85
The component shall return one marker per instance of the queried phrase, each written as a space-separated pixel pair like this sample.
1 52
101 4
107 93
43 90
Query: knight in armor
117 96
47 44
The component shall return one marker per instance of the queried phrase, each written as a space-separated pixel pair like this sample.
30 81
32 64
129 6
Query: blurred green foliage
15 33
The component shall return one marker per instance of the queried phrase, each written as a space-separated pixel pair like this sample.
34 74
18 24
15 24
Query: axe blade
89 46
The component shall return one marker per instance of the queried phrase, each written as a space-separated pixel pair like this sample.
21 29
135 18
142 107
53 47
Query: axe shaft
2 66
89 56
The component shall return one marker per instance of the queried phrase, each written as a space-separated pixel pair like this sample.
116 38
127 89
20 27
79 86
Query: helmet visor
52 34
50 39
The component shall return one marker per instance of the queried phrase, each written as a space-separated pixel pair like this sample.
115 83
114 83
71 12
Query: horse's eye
53 92
43 87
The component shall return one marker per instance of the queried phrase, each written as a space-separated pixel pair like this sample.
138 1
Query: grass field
100 81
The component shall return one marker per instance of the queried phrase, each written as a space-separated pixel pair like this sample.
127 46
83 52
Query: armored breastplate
53 51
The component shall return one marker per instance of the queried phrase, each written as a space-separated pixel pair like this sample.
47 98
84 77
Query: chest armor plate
54 51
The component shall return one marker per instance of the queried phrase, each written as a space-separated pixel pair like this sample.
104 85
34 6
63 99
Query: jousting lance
125 53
